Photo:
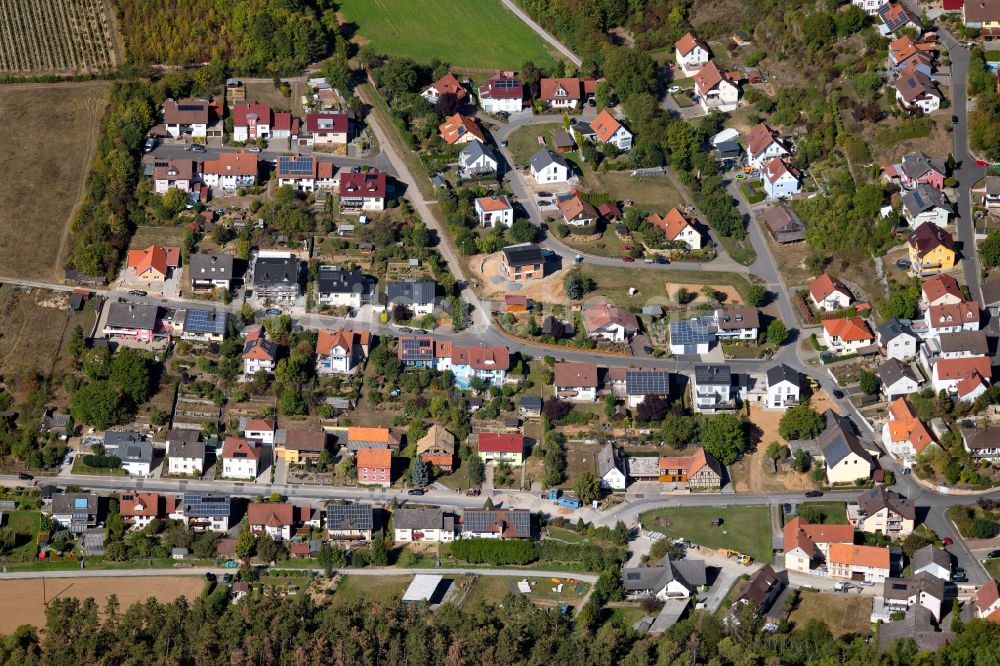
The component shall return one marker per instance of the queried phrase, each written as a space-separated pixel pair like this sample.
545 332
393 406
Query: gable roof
565 89
777 169
473 151
187 111
174 170
799 534
599 315
824 285
509 523
940 285
545 157
878 498
974 343
410 291
607 460
953 369
345 339
237 447
267 514
310 441
782 219
605 125
153 257
502 87
689 573
437 438
207 266
377 458
457 126
687 43
139 504
991 292
893 328
737 318
708 77
894 370
422 519
576 374
760 137
575 208
953 314
371 184
260 349
244 112
928 236
913 84
526 254
493 442
231 164
132 315
849 329
859 556
782 373
923 198
837 442
448 84
358 434
359 516
928 555
337 123
672 224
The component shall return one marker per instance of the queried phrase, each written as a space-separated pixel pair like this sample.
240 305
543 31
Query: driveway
280 471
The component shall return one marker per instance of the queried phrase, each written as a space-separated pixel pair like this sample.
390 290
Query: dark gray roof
917 163
713 375
422 519
923 198
132 315
893 370
690 573
728 149
837 441
760 588
982 438
735 318
136 452
928 555
210 266
276 271
972 342
892 328
187 449
68 503
607 460
350 516
544 157
335 281
115 439
903 588
410 291
510 523
991 291
531 402
782 373
878 498
523 255
473 151
918 625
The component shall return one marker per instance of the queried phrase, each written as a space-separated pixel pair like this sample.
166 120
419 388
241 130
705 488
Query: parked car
198 148
544 202
24 476
959 576
981 163
272 312
993 555
137 292
253 149
579 259
814 493
786 507
662 260
415 491
838 394
954 120
543 194
947 541
628 260
150 144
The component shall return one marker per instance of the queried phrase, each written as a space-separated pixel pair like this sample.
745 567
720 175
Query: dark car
198 148
210 577
993 555
136 292
954 120
814 493
272 312
838 394
662 260
786 507
24 476
227 578
959 576
415 491
543 194
150 144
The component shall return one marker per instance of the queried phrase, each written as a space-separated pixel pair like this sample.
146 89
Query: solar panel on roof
80 503
647 383
349 516
690 332
205 321
206 505
295 166
190 107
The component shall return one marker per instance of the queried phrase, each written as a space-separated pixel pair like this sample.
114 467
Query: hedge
493 551
109 462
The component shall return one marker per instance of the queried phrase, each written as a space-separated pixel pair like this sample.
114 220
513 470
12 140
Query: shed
563 142
178 553
422 590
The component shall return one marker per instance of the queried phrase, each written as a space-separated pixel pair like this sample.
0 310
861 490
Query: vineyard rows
55 37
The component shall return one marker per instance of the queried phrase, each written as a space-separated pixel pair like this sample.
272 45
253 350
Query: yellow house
498 447
297 446
152 265
932 250
846 460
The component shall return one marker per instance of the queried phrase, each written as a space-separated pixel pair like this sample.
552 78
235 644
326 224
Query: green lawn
993 568
834 513
614 283
523 142
844 614
744 528
382 588
25 525
463 33
649 193
492 589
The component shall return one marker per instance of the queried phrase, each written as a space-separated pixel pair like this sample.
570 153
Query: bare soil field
50 153
732 296
757 476
493 283
23 601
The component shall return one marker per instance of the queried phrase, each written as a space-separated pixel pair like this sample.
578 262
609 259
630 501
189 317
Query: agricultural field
461 33
56 37
50 153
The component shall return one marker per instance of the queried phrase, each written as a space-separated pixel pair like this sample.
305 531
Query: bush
106 462
491 551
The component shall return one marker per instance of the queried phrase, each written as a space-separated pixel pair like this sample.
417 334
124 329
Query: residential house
566 93
186 117
983 15
446 85
640 384
494 210
578 213
341 288
716 89
276 520
761 590
784 388
926 204
423 525
699 471
845 458
459 129
305 173
847 335
284 126
931 250
896 339
967 378
829 293
918 624
139 509
894 17
415 296
576 382
869 6
735 322
488 363
134 321
924 590
370 438
329 129
230 171
918 168
933 561
496 524
940 289
204 512
260 431
240 459
500 447
982 443
763 145
375 467
667 579
341 351
417 352
548 167
523 262
132 448
276 278
259 354
881 511
692 336
784 225
806 547
897 379
211 271
991 192
199 325
677 228
714 389
915 91
610 470
609 322
477 159
174 175
780 179
76 512
251 121
501 94
185 452
363 190
607 129
954 318
863 563
964 344
350 522
530 406
298 446
988 601
437 448
690 54
152 266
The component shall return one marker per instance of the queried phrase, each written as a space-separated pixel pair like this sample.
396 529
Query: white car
673 89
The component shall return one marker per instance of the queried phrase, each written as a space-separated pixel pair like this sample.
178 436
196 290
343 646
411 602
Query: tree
652 408
76 344
378 554
756 293
801 422
777 333
775 451
869 382
602 95
555 409
419 476
724 437
246 543
98 404
130 372
587 488
679 430
609 406
268 549
577 285
330 558
477 470
989 249
399 75
7 539
621 533
522 231
683 296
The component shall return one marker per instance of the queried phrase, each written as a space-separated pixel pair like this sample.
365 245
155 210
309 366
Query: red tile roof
605 125
577 89
154 257
266 514
343 338
284 121
493 203
988 595
687 43
457 126
259 425
860 556
825 285
374 458
481 357
368 184
672 224
953 314
576 374
759 138
327 122
139 504
502 87
849 329
777 168
238 164
962 368
243 111
799 534
238 445
448 84
491 442
941 285
187 111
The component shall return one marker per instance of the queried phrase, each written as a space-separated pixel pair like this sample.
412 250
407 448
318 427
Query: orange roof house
261 515
345 339
672 224
687 43
907 434
447 84
850 555
825 286
942 289
605 125
152 264
461 129
988 601
799 534
848 329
